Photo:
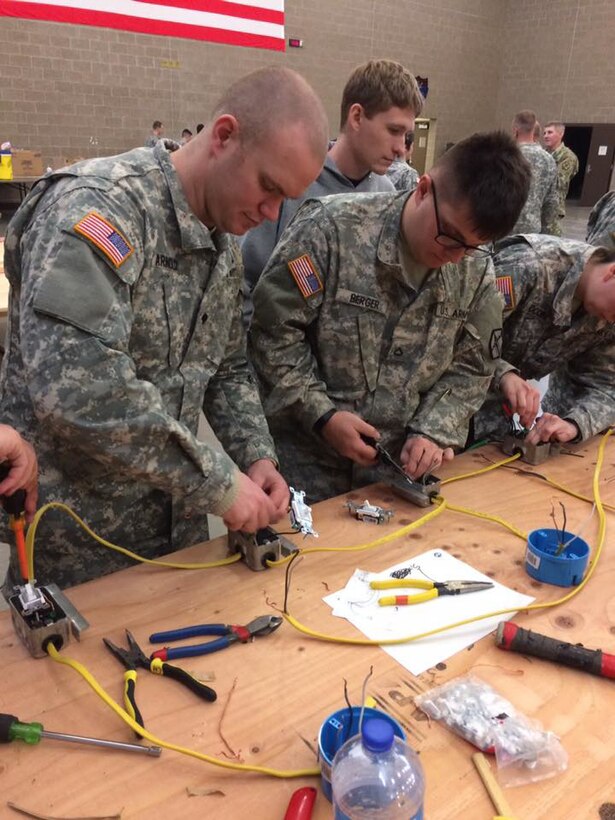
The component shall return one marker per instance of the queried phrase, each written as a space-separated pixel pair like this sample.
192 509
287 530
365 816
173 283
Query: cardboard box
27 163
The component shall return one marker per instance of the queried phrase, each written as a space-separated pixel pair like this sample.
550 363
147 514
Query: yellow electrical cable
547 605
482 470
98 689
59 506
565 489
488 517
392 536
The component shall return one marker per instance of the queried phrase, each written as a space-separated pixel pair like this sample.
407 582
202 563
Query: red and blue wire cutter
229 634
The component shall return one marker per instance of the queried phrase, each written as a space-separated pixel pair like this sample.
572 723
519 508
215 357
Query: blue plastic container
334 732
563 570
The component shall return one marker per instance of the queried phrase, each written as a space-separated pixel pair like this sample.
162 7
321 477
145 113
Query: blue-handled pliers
229 633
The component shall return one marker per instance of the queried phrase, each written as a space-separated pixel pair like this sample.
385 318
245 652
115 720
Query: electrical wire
392 536
482 470
128 553
531 607
225 764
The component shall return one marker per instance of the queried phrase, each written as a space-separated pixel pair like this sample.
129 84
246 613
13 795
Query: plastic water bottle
377 775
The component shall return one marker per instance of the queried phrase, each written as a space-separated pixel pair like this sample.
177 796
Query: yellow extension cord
442 505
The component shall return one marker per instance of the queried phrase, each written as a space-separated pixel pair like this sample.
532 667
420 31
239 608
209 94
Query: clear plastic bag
524 752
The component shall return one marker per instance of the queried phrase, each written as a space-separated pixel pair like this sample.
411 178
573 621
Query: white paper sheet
359 604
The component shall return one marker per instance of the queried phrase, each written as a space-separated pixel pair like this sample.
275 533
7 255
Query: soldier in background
567 167
403 176
157 134
540 209
379 104
377 315
559 319
125 317
601 222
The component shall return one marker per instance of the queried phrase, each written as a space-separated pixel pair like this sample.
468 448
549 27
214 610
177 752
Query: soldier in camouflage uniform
403 176
125 322
540 209
371 320
567 167
157 134
601 222
559 319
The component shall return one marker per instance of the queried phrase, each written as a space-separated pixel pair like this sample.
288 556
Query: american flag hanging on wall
255 23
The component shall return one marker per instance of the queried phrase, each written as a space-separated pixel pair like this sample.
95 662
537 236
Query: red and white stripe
257 23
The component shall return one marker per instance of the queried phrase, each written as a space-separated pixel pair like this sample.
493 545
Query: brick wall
82 91
557 58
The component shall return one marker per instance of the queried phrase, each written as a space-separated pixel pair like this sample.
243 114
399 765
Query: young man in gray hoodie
380 102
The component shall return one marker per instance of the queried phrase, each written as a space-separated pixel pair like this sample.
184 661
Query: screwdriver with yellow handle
434 589
11 728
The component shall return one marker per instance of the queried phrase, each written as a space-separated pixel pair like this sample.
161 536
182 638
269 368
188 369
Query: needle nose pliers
134 658
229 633
434 589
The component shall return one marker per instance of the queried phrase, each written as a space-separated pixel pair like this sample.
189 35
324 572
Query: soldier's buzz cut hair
270 99
156 124
559 127
602 256
379 85
489 173
525 121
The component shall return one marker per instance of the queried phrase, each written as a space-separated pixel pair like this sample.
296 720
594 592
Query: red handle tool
301 804
516 639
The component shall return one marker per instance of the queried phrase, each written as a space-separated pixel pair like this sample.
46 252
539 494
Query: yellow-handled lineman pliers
434 589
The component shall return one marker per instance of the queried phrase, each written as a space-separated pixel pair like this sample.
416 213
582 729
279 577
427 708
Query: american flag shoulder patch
505 285
105 236
305 275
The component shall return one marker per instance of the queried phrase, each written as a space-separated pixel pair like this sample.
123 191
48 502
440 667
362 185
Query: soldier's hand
521 397
550 427
252 510
421 455
265 475
23 474
343 432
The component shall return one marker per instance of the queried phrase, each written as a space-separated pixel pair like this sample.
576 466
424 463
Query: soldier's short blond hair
267 100
559 127
379 85
525 121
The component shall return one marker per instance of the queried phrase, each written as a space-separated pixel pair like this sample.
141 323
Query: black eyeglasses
451 242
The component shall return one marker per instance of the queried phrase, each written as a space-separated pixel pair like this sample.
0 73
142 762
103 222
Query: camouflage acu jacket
125 321
544 334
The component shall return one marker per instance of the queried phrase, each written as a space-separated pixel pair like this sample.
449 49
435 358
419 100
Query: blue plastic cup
563 570
335 731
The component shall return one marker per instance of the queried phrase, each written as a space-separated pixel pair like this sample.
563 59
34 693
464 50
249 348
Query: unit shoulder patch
305 275
495 344
105 236
505 285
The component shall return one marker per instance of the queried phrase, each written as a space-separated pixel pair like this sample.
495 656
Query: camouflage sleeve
279 343
445 410
584 390
232 404
550 207
76 320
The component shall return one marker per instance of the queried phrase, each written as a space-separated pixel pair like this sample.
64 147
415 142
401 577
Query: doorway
594 145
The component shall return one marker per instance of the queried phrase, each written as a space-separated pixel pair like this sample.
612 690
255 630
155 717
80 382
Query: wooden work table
287 683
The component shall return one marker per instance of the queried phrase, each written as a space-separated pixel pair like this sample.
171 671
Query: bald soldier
377 315
125 319
601 222
559 319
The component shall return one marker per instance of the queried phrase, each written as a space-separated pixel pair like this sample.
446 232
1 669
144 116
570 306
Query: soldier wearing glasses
377 315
